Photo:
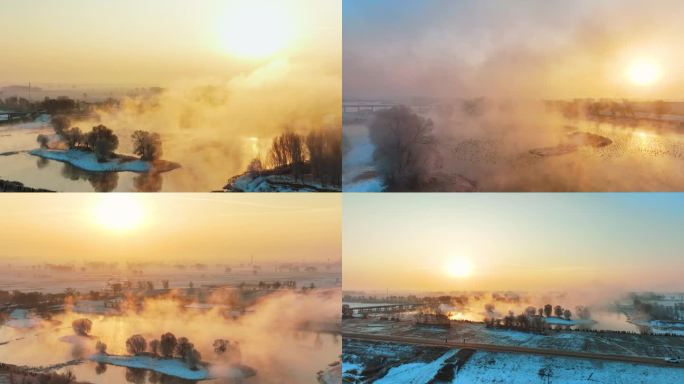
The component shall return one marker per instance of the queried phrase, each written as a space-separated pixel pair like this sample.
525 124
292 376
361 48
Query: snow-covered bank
171 367
265 182
87 161
358 169
15 186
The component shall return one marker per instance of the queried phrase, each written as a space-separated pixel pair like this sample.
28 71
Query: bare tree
60 123
73 137
155 347
403 144
567 314
82 326
101 347
168 344
325 155
558 311
255 166
221 346
136 344
43 140
288 150
147 145
102 141
193 359
183 347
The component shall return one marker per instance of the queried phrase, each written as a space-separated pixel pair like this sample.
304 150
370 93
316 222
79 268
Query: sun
119 212
459 268
643 72
257 29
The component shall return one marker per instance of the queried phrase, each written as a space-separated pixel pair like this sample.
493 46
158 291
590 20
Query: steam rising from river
271 333
214 127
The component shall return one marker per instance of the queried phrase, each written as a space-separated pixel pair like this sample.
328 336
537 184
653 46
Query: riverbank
278 180
15 186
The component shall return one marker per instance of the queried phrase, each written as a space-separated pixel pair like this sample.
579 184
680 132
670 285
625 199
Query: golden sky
464 242
216 228
157 42
532 49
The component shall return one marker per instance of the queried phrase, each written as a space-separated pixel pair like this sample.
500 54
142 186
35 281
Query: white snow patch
171 367
88 162
560 321
490 368
416 373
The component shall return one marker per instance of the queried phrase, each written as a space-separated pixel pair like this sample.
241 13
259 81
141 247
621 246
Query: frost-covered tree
404 147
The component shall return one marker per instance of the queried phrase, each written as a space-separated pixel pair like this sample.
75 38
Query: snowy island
171 367
88 161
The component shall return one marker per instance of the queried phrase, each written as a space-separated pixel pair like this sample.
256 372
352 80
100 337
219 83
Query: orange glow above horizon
168 227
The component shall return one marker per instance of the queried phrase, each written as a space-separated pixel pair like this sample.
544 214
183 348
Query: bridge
14 117
373 107
385 308
359 107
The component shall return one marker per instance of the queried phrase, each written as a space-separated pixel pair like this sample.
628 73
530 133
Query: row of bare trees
319 153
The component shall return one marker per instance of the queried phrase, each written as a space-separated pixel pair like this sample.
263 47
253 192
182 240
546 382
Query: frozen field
422 365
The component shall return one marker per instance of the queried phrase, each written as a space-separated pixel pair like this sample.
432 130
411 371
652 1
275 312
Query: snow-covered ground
490 368
171 367
570 322
41 121
88 162
358 171
21 318
275 183
416 373
494 367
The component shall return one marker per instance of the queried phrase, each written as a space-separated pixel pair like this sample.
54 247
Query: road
511 349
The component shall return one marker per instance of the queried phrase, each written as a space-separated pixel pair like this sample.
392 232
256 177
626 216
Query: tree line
318 153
